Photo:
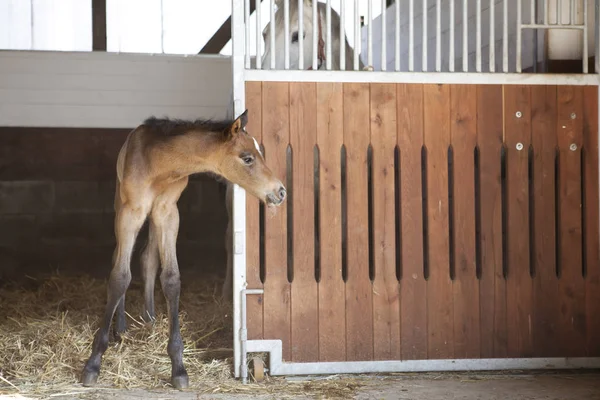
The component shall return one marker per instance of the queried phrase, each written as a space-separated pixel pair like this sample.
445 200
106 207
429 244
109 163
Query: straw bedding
47 327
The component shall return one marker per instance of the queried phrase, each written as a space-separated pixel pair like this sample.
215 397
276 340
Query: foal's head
307 34
241 162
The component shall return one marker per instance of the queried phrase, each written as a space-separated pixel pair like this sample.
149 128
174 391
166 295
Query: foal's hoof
180 382
89 378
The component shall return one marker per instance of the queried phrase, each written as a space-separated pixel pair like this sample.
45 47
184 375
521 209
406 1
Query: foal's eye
247 159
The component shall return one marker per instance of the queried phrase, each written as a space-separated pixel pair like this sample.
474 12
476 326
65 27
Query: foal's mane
175 126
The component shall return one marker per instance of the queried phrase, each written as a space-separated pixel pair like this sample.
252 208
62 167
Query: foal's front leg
128 222
166 219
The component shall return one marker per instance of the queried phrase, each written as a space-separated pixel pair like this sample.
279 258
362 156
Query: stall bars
242 72
553 17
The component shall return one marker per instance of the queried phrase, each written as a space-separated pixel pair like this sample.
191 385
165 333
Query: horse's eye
248 160
294 37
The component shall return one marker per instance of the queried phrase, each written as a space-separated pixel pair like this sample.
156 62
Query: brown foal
153 169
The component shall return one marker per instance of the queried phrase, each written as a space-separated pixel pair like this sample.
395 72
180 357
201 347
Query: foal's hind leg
165 216
128 222
150 262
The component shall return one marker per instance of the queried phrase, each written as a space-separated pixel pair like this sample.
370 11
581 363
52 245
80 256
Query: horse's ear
238 125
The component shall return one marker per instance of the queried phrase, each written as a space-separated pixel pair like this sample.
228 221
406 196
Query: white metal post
238 38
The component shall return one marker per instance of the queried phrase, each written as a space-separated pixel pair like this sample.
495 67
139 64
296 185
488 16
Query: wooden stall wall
437 222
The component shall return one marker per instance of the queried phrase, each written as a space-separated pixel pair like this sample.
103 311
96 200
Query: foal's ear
239 124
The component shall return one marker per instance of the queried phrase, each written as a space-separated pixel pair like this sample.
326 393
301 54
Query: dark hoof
89 378
180 382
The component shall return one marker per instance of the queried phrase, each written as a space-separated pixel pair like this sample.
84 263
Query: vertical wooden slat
386 301
254 305
99 25
439 286
571 284
592 252
463 132
492 285
413 288
359 306
303 136
332 303
277 288
545 289
519 282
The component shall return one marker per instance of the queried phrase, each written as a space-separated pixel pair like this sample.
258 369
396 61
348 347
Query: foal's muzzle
277 197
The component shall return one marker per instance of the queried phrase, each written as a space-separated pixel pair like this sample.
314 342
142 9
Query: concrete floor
537 386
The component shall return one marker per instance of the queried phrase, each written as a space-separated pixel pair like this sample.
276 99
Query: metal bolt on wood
573 147
573 115
518 114
519 146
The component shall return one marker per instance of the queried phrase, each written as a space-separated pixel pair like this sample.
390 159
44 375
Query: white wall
63 25
107 90
527 37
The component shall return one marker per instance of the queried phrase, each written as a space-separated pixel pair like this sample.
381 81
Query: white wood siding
107 90
62 25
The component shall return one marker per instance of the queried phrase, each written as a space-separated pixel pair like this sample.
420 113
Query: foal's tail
121 158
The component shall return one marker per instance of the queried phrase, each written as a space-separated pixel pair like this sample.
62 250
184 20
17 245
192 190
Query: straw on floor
47 327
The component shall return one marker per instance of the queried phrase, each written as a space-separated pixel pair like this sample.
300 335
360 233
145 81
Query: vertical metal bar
532 12
478 38
505 36
370 33
465 35
342 35
328 36
247 27
546 12
300 34
383 36
519 31
452 56
315 26
424 39
397 47
438 36
558 12
356 35
492 45
272 33
572 20
239 195
411 35
286 34
259 38
585 36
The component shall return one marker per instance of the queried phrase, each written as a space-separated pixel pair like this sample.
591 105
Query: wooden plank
99 25
386 299
359 306
413 287
254 303
571 285
332 301
519 283
492 286
439 286
545 285
592 237
303 137
275 127
463 137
